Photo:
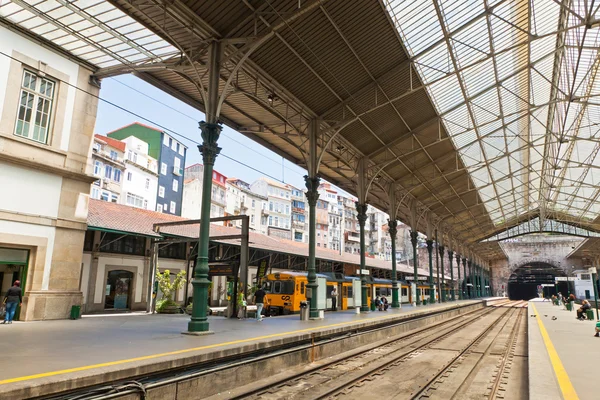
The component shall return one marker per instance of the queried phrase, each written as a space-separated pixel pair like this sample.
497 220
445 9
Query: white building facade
109 168
242 201
279 206
46 130
140 183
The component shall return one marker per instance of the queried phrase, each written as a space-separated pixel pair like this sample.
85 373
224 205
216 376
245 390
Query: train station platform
54 356
563 354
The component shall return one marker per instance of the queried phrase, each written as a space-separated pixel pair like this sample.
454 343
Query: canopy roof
482 112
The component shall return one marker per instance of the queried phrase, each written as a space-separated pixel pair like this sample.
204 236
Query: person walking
12 299
334 294
259 300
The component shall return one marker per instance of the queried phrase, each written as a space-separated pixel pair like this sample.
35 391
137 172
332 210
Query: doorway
118 290
13 267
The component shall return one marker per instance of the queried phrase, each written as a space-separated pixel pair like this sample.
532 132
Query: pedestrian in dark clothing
12 299
334 295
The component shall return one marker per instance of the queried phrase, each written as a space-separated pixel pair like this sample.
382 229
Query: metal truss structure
479 114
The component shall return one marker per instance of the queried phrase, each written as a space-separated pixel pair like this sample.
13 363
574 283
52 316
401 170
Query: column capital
361 210
429 243
451 254
441 249
210 135
413 237
393 228
312 189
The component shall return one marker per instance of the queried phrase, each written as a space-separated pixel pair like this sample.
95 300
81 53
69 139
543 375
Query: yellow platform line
566 387
177 352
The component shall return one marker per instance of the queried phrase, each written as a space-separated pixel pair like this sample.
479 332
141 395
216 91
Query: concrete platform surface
564 353
50 350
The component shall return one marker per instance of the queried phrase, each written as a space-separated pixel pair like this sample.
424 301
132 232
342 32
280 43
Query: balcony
296 210
353 237
177 170
264 211
299 226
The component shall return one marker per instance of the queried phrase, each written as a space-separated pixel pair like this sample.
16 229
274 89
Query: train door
357 294
321 293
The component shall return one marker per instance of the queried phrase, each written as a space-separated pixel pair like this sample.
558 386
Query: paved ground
575 345
41 347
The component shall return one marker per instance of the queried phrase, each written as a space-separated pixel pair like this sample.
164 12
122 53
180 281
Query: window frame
39 79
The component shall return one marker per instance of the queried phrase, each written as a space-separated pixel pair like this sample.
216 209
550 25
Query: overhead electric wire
155 123
196 120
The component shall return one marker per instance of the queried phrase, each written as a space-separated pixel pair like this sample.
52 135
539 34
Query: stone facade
47 176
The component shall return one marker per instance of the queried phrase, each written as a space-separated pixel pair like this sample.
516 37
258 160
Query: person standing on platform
259 300
241 303
12 299
334 294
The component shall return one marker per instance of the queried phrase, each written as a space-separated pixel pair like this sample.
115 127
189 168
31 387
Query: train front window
283 287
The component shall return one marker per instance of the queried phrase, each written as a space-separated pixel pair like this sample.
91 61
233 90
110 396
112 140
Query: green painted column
443 284
413 241
393 230
362 219
464 281
450 256
465 287
452 290
312 195
478 277
431 286
470 291
200 283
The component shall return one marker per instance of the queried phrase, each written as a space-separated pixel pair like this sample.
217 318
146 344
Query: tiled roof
117 144
112 216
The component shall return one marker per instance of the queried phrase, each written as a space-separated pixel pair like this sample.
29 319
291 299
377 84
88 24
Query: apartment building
140 180
299 215
170 155
242 201
349 224
48 111
109 168
192 193
322 220
279 206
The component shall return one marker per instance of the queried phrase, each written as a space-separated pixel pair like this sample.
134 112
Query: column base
364 309
197 326
395 305
203 333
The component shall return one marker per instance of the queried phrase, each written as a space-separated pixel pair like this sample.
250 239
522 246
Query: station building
46 130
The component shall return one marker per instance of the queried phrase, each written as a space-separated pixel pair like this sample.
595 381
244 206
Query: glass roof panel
516 102
93 30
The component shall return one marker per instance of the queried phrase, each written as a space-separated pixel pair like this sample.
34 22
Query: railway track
477 355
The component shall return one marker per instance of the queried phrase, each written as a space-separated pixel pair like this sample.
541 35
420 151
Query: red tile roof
117 144
117 217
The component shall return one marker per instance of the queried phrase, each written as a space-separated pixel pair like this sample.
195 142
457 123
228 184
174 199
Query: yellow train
286 290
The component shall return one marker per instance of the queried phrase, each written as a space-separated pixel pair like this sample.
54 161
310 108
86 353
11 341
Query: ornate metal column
429 252
443 291
451 258
452 290
200 282
460 284
393 230
362 219
312 195
210 132
413 240
468 262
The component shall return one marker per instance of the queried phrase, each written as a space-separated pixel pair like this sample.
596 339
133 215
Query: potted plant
166 304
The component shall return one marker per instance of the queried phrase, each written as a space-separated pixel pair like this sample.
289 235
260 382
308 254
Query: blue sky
155 108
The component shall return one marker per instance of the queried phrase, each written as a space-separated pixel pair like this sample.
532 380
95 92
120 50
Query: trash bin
589 314
568 306
424 302
304 311
75 312
373 305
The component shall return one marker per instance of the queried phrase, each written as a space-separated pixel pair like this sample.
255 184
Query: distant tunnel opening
524 282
